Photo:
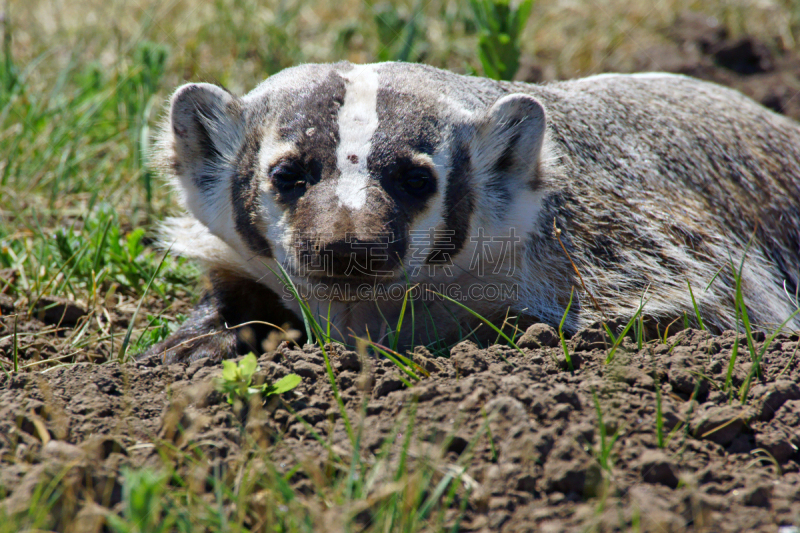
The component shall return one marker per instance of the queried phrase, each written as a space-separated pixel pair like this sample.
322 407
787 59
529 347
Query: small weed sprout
561 332
237 381
143 493
618 340
696 308
603 452
398 34
661 442
500 25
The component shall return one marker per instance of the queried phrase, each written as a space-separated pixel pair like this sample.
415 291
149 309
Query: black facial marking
410 184
459 202
407 126
244 197
418 181
291 178
309 119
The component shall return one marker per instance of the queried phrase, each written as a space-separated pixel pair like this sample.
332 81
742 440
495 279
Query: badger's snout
372 256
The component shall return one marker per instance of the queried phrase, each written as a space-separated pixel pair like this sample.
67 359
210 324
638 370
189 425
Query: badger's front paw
184 346
202 335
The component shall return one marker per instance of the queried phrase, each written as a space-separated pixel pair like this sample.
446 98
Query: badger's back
666 179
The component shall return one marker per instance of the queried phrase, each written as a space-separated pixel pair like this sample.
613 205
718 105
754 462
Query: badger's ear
206 125
509 138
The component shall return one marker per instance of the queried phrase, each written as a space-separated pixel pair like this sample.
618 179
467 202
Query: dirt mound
534 444
699 46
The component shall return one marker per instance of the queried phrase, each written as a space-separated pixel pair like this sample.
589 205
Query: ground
527 444
686 432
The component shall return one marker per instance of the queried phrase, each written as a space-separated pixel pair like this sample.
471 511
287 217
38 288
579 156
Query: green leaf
248 366
285 384
230 372
134 242
523 12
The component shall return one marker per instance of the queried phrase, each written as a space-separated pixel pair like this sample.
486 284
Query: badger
395 202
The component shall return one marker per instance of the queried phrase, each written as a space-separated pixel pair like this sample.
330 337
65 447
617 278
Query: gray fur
654 180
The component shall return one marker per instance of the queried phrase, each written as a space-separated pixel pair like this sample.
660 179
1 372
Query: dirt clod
656 467
386 385
539 336
720 424
348 361
592 338
468 359
773 396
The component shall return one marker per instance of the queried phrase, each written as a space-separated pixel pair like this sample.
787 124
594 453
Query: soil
699 46
723 465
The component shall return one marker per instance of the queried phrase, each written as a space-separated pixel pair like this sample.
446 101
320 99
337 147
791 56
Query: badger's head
359 175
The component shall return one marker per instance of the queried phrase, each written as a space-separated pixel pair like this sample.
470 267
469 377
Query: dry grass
239 42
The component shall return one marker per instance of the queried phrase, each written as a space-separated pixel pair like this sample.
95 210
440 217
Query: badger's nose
350 257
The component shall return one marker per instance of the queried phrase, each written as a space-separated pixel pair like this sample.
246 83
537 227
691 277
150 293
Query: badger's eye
417 180
288 176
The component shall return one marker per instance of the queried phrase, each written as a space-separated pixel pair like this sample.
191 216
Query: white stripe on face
358 120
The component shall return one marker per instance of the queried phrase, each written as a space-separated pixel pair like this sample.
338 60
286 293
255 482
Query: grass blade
561 332
313 326
696 310
659 414
125 341
621 336
101 244
386 353
485 321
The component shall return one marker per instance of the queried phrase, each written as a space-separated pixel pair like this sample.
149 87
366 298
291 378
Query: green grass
567 357
602 452
91 259
501 24
377 489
